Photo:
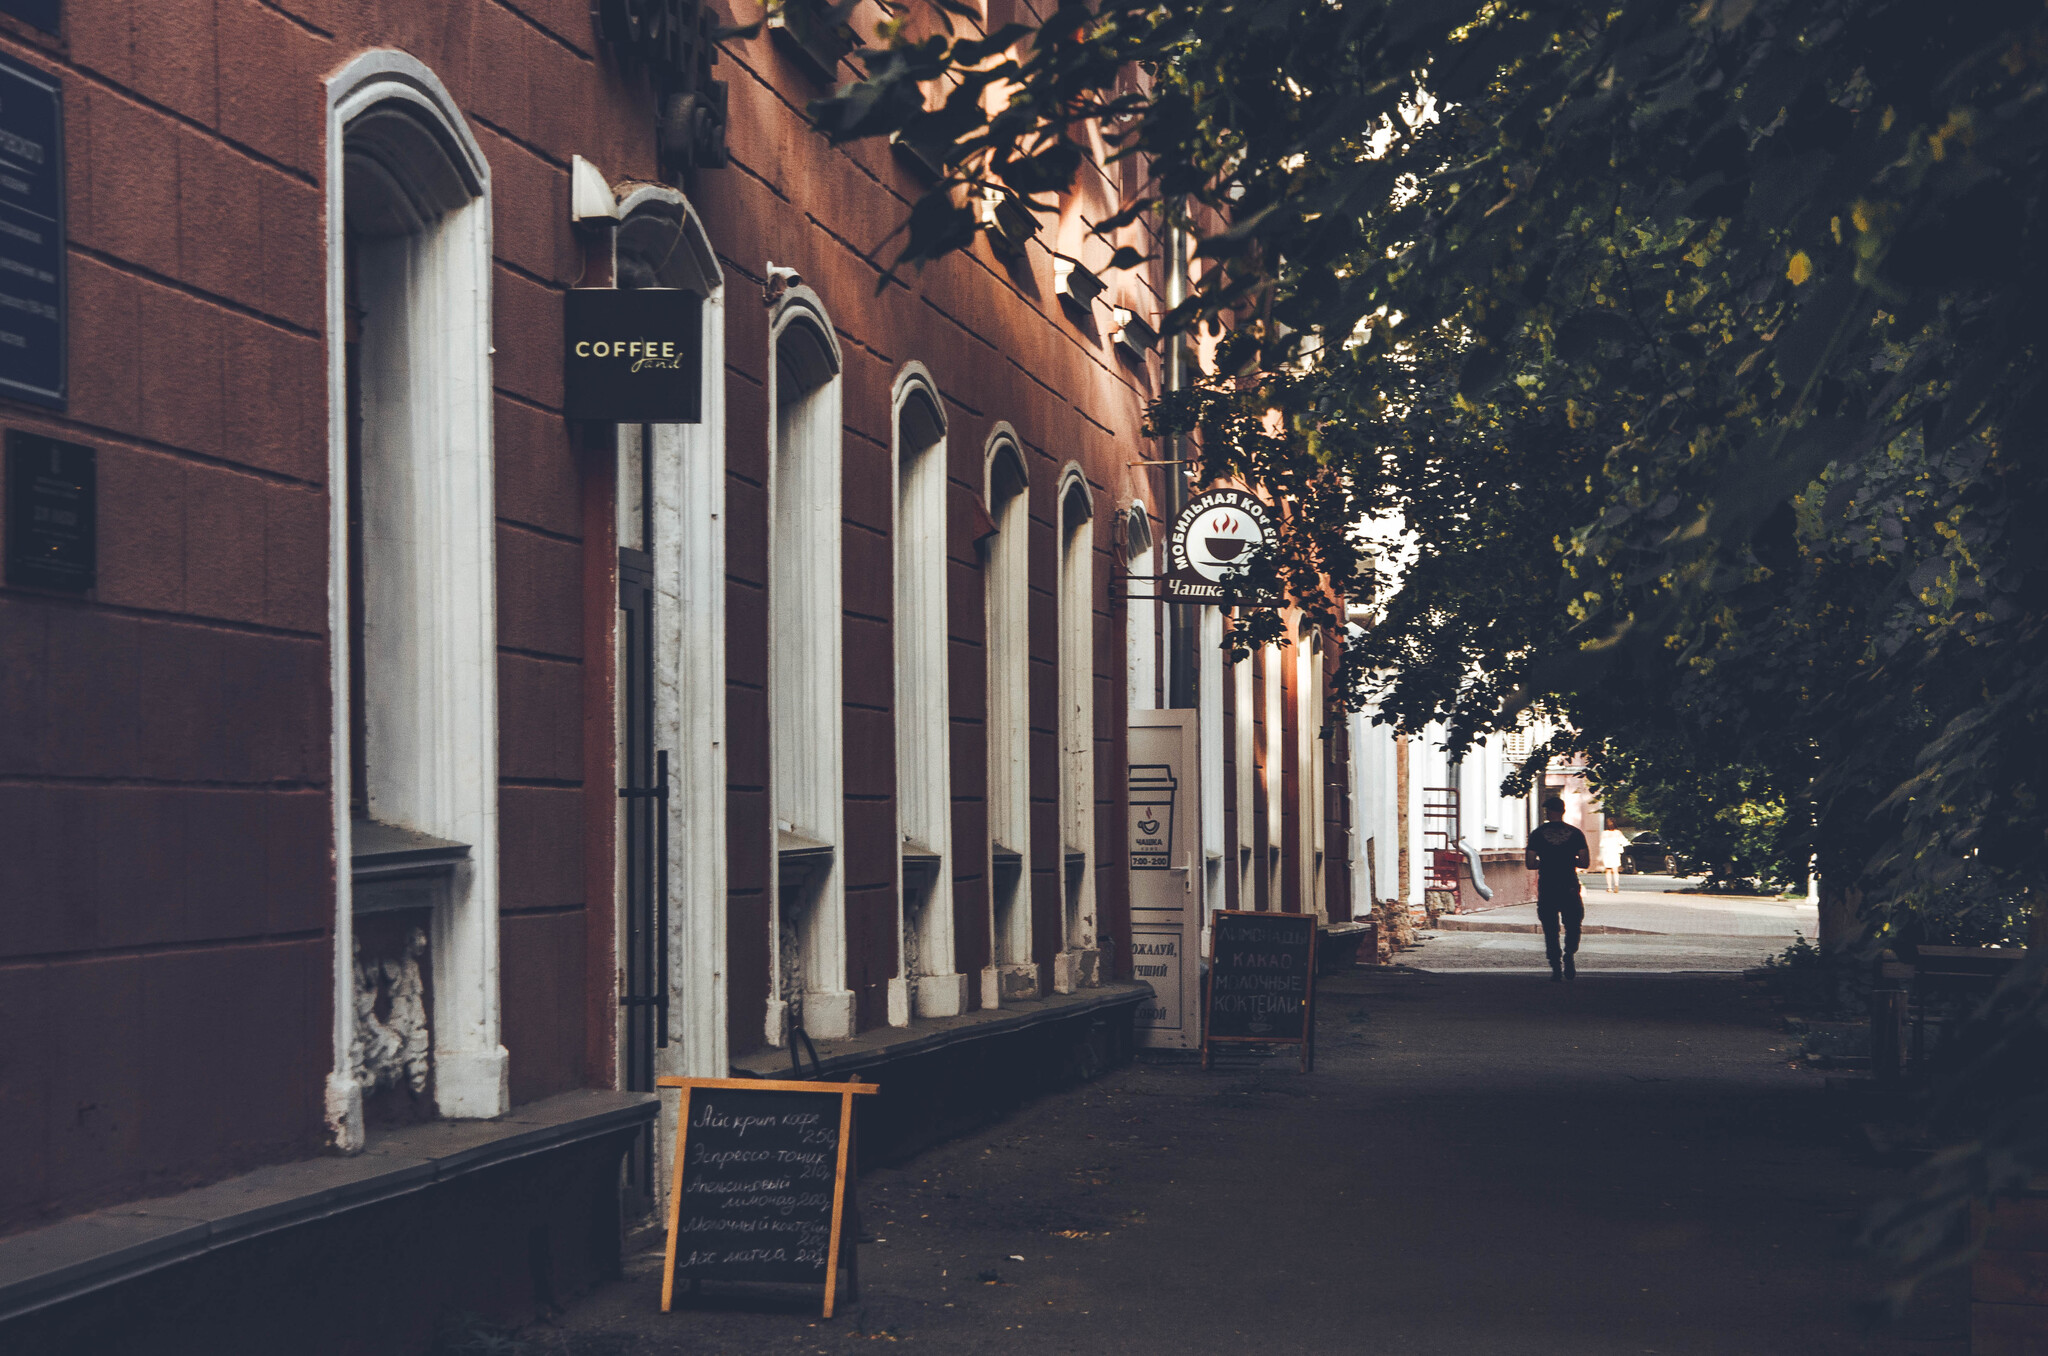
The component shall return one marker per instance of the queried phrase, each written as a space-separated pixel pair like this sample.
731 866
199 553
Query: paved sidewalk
1599 955
1648 911
1481 1165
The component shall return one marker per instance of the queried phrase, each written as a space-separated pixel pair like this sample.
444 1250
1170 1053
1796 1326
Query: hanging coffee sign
1213 540
633 356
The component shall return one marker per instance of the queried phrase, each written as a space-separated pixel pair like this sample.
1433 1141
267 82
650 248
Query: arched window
1244 734
1310 774
805 721
1077 965
1141 614
1274 672
929 984
1012 973
671 501
1209 699
414 625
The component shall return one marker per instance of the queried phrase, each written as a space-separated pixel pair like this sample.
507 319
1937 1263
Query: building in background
1449 824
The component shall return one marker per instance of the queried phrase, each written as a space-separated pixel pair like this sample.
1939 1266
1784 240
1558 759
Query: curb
1454 923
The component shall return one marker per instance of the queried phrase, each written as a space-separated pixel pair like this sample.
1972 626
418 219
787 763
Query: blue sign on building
32 337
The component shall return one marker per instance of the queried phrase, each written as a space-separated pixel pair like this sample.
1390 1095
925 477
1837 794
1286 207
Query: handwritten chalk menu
759 1191
1262 974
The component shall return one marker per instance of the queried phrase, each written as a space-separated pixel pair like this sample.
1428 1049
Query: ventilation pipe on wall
1183 624
1478 869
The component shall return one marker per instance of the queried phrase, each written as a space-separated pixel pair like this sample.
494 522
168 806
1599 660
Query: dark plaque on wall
1262 977
41 13
759 1192
32 343
634 356
52 516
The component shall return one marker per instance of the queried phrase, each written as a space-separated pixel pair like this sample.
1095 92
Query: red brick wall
166 883
1336 771
166 866
1000 347
1332 766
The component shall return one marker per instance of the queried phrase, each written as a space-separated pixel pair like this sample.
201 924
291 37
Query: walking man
1557 852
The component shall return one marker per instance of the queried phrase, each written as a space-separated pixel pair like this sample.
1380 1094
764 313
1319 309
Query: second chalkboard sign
1262 980
759 1191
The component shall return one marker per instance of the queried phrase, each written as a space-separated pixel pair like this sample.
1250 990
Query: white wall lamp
1074 283
590 197
1132 333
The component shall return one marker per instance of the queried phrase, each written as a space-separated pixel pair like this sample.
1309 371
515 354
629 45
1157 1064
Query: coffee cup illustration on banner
1151 810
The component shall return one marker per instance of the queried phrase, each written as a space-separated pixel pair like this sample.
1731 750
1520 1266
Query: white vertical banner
1163 825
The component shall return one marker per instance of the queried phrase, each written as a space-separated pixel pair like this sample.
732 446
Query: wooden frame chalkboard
766 1163
1258 964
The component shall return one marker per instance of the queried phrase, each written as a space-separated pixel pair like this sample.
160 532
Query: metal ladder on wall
1441 816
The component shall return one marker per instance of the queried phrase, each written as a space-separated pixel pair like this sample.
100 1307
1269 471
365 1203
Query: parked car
1646 855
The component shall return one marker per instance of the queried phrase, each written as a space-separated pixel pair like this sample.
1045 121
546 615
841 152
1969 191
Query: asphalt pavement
1637 908
1480 1163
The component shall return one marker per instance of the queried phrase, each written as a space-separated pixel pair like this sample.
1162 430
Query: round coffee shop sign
1215 537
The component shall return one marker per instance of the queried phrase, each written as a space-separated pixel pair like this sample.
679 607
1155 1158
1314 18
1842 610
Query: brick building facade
312 841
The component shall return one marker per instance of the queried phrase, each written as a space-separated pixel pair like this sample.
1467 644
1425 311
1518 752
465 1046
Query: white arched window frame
1310 773
806 726
1012 974
1141 613
928 983
661 242
1276 774
1245 754
1077 964
1209 701
407 179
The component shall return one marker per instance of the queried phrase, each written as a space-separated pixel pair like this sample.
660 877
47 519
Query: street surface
1481 1163
1647 926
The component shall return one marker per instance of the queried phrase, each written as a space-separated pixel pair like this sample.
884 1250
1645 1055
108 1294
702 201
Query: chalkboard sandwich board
760 1189
1262 982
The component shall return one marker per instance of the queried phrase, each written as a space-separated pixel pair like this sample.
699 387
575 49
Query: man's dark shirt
1557 846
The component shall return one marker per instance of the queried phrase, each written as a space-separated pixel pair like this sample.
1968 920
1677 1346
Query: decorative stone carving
792 967
394 1049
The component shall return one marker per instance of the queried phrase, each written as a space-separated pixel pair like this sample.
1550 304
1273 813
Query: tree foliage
1694 343
1728 819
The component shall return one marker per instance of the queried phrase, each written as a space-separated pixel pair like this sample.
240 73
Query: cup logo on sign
1223 541
1151 802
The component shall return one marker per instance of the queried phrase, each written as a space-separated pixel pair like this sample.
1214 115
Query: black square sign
634 356
52 514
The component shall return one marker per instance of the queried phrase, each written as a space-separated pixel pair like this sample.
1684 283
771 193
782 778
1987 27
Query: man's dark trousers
1571 909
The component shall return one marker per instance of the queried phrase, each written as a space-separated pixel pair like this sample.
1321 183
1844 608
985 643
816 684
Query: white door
1163 825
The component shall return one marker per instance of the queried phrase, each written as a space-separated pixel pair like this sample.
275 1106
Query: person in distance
1610 860
1557 853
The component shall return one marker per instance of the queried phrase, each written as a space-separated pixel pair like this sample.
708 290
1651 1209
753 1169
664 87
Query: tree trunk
1841 910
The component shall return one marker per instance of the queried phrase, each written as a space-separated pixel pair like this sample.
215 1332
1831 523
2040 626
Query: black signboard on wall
32 341
633 356
52 514
41 13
